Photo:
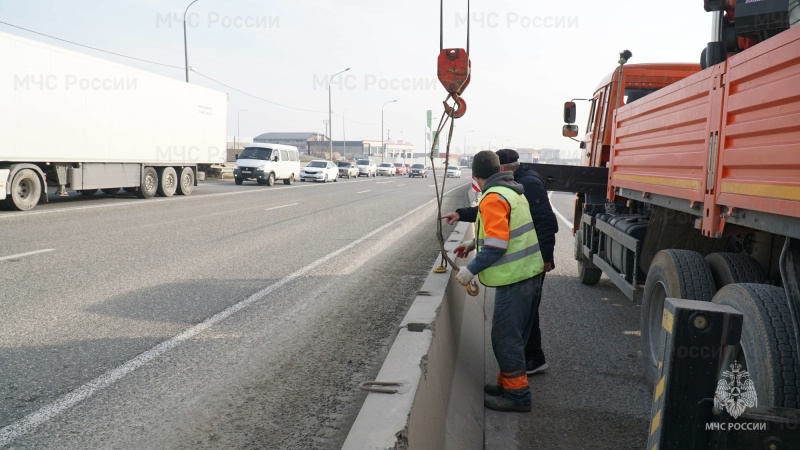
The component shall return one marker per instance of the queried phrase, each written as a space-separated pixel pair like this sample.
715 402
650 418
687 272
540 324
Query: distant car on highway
401 169
418 170
347 169
319 170
387 169
453 171
367 167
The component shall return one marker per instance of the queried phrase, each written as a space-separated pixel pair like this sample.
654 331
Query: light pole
383 145
330 124
185 46
344 136
238 120
465 145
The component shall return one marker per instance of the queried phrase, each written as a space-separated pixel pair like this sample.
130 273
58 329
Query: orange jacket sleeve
496 215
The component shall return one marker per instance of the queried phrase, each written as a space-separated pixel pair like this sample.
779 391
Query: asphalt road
237 317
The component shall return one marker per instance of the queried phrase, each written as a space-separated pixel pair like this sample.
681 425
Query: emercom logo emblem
735 391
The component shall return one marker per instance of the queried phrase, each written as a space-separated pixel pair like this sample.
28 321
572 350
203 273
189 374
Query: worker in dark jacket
546 225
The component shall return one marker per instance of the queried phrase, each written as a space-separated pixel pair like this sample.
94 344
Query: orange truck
690 186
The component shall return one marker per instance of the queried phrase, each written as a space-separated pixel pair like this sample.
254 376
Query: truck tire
587 272
270 179
26 189
730 268
167 182
765 350
289 180
680 274
149 185
186 181
110 191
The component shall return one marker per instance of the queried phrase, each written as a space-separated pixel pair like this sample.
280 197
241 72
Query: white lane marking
560 216
361 192
46 413
283 206
22 255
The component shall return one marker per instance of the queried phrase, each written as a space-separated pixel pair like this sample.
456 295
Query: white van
266 163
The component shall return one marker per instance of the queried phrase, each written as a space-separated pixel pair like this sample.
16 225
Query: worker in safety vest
508 258
546 224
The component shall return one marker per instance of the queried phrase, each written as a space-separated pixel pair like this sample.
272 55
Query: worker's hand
451 218
463 250
464 276
548 267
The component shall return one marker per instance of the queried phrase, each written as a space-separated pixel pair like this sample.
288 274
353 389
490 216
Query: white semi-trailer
73 121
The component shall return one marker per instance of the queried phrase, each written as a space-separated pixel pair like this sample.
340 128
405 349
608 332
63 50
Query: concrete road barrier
437 359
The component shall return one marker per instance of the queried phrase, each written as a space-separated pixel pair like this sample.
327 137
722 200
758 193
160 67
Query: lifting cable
453 69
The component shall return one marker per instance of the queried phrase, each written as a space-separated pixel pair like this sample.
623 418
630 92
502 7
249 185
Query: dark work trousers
534 356
513 317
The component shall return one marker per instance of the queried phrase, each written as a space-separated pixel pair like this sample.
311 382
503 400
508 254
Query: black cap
485 163
507 156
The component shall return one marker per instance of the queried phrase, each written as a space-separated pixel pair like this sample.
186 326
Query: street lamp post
465 145
344 136
185 46
383 145
238 120
330 124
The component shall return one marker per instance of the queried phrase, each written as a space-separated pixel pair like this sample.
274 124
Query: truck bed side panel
660 143
760 145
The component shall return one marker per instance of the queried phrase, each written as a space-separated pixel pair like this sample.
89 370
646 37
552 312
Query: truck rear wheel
587 272
730 268
167 182
149 185
765 350
186 181
680 274
289 180
26 188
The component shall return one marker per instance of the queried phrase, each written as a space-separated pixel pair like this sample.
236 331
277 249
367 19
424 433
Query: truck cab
639 80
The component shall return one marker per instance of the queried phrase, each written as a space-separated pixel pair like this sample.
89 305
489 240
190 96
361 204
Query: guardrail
434 371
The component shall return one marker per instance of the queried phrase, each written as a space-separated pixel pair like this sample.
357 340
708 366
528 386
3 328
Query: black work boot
504 404
493 389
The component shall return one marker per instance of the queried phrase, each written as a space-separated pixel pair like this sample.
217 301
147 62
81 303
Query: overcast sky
528 57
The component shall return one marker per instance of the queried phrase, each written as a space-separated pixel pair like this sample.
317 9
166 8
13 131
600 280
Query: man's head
485 164
509 159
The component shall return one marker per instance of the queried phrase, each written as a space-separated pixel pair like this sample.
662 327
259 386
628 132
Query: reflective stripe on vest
522 259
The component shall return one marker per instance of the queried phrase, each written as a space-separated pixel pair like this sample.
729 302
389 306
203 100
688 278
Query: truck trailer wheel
167 181
186 181
673 274
587 272
26 188
730 268
766 349
149 185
